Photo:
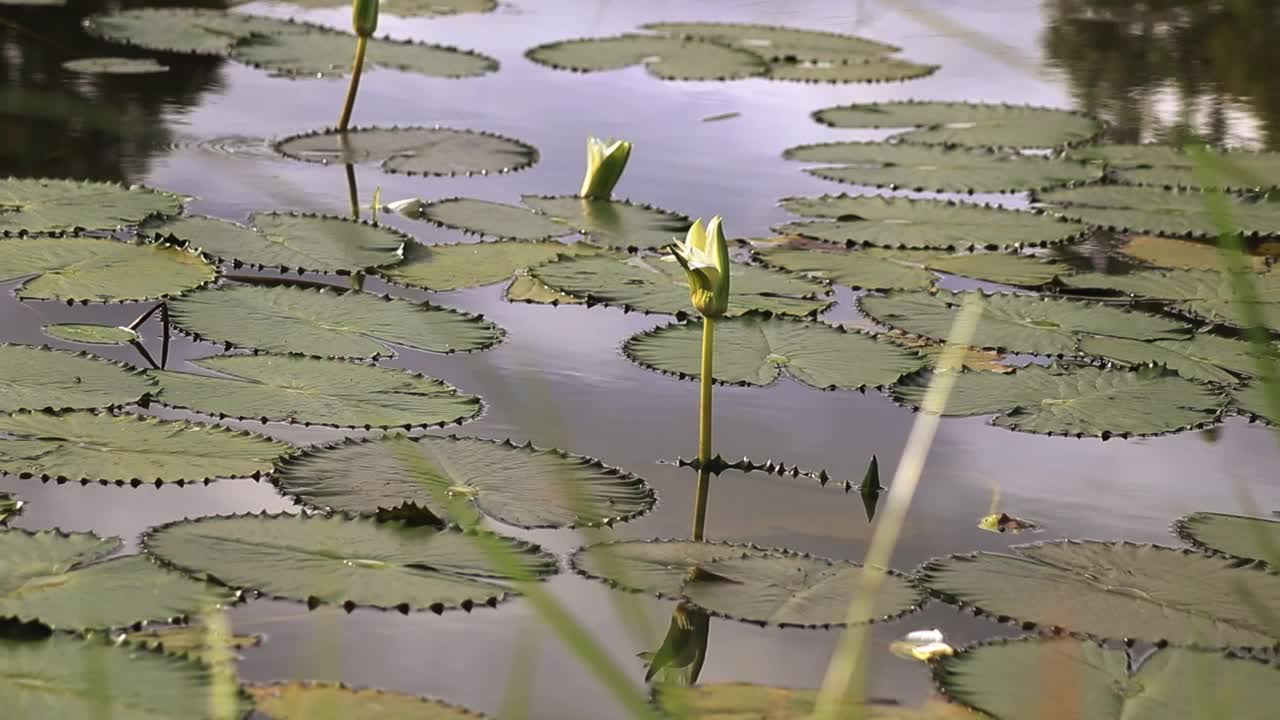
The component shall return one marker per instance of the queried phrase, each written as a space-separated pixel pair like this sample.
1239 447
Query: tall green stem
704 431
354 86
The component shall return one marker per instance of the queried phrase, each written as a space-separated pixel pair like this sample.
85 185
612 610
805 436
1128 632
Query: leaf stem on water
353 87
704 430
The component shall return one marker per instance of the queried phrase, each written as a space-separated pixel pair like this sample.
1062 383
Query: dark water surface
559 379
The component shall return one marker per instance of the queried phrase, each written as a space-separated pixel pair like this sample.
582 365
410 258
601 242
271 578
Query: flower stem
704 431
354 86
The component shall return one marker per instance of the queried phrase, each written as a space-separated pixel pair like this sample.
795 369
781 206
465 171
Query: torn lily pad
1172 167
859 269
938 168
1113 590
310 243
1209 358
518 485
320 52
743 582
925 224
1201 293
655 285
1018 323
46 576
115 66
813 353
88 447
492 219
314 391
41 378
613 223
347 561
1182 254
324 323
305 701
196 31
46 205
1080 401
191 640
412 8
972 124
744 701
90 334
1252 538
93 269
1007 679
667 58
460 265
413 150
1177 213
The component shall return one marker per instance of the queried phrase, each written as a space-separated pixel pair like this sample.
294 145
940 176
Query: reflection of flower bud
679 659
704 255
605 163
364 17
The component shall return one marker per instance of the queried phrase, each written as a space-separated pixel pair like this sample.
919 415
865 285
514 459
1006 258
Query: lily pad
855 69
414 150
957 123
938 168
115 66
1114 590
1168 166
46 576
1018 323
1202 293
744 701
657 286
40 378
310 243
305 701
313 391
197 31
122 449
66 676
1202 357
1000 267
90 334
859 269
323 323
93 269
930 224
816 354
454 266
340 560
1252 538
412 8
1123 208
518 485
614 223
1251 399
1007 679
668 58
1076 401
1182 254
493 219
45 205
744 582
190 640
320 52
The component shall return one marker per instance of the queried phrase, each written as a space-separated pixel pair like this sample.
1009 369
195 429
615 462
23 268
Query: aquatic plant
605 162
364 21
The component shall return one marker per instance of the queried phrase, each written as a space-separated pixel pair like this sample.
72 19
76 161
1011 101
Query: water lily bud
605 163
704 255
364 17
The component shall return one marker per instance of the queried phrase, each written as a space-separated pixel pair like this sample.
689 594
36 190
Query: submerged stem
704 431
354 86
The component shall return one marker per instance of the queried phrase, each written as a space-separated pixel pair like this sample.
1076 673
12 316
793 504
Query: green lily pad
930 224
414 150
1076 401
776 43
1201 293
190 640
855 69
66 676
1252 538
493 219
93 269
655 285
517 485
1202 357
90 334
957 123
34 3
524 288
1182 254
1161 212
1007 679
744 701
311 243
1251 399
340 560
668 58
1113 590
745 583
313 391
320 52
122 449
859 269
1167 166
938 168
323 323
411 8
450 267
197 31
305 701
614 223
1000 267
115 66
1018 323
45 205
816 354
40 378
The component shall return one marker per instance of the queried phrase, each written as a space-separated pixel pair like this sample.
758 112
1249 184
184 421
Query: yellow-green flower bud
605 163
704 255
364 17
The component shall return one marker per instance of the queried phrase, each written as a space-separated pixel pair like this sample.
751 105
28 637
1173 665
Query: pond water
559 379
